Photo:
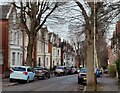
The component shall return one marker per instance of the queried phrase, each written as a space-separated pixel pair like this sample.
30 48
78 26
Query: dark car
42 72
82 76
69 71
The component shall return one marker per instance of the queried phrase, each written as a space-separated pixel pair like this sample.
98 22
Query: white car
60 70
24 73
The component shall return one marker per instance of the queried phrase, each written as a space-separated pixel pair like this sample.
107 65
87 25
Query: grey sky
62 28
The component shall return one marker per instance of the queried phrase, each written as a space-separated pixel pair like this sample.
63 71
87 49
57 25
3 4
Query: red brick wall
4 24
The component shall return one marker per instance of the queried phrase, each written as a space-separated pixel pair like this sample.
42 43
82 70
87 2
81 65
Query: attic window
14 17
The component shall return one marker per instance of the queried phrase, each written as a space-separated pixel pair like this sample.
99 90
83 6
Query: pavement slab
106 83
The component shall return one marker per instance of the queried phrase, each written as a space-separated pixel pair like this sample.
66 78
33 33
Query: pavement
106 83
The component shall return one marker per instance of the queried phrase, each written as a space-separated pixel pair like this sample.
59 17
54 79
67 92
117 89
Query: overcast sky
62 29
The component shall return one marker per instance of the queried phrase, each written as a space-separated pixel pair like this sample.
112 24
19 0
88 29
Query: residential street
65 83
60 45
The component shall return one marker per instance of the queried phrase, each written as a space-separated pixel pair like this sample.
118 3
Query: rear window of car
59 67
19 69
83 71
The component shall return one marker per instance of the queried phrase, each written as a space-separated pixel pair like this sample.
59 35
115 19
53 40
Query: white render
56 59
42 53
68 59
15 46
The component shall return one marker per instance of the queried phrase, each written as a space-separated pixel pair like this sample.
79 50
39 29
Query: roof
4 9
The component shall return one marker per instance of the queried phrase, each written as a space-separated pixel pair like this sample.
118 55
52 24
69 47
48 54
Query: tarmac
104 84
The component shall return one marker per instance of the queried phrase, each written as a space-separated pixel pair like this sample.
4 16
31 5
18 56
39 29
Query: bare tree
33 16
98 19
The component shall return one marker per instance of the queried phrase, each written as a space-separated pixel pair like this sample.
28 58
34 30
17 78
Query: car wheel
38 78
79 81
48 75
11 80
43 77
27 81
33 79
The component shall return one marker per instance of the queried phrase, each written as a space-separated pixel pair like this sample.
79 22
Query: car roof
83 69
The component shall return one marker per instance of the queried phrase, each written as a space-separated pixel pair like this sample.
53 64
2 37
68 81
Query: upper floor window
39 61
18 38
72 58
18 57
47 62
58 52
53 51
15 35
11 36
14 17
13 58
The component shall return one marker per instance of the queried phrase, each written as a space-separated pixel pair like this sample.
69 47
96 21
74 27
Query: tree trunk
90 58
29 59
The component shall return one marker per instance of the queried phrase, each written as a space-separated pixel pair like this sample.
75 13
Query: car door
30 73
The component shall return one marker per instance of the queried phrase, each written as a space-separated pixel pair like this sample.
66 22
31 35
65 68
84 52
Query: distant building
43 56
67 54
115 41
111 56
54 49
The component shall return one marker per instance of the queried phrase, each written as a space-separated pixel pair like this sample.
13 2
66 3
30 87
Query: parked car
60 70
24 73
74 70
42 72
68 71
106 71
78 70
82 76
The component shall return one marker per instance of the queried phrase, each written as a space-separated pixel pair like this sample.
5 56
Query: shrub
118 67
112 70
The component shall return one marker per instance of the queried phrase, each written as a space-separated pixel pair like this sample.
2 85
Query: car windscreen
19 69
59 67
39 68
83 71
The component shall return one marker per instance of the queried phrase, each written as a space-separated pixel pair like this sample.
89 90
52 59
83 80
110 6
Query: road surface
63 83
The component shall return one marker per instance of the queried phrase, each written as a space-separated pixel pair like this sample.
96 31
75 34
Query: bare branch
39 27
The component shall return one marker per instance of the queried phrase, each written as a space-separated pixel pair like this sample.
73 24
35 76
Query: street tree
33 16
89 32
97 21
